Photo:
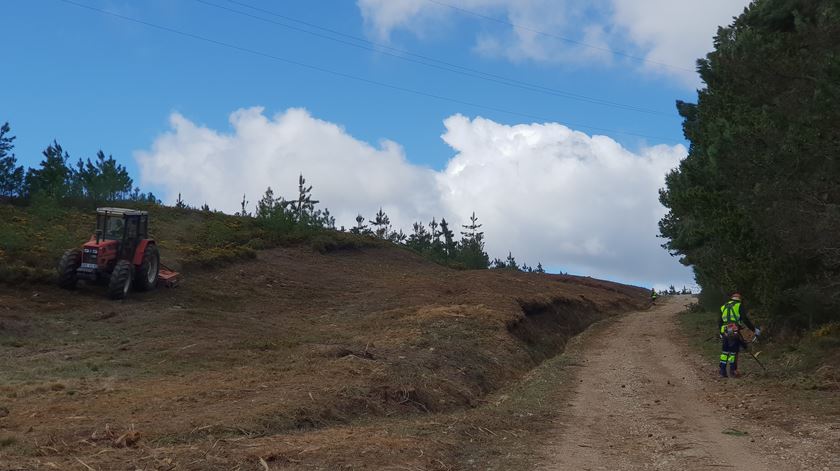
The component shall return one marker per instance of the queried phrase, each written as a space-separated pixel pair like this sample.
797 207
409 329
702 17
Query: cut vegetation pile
367 357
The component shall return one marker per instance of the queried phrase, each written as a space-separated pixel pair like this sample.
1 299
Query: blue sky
94 81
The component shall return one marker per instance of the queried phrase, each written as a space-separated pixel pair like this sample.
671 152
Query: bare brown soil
373 359
644 401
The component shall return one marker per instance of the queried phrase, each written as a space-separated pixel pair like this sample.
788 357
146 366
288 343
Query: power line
555 36
350 76
423 59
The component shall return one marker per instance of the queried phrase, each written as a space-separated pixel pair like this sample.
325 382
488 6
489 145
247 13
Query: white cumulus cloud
546 192
675 33
429 19
349 176
550 193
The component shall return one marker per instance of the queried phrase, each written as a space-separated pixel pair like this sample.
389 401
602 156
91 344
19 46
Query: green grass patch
701 329
807 361
33 237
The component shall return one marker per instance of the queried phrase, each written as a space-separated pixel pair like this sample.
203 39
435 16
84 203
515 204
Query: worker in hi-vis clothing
732 315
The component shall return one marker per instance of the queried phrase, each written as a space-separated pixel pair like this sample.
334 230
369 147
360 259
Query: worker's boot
723 370
733 370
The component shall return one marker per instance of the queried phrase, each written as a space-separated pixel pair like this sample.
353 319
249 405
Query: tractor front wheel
120 282
70 261
147 272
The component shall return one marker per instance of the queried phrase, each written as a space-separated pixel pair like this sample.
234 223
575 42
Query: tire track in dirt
639 404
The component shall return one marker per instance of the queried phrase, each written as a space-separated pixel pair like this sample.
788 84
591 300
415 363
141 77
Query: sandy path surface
639 404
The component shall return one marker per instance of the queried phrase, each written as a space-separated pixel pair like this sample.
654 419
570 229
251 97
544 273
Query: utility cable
423 59
555 36
350 76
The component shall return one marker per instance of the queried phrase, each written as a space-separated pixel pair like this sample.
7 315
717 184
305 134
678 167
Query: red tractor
119 252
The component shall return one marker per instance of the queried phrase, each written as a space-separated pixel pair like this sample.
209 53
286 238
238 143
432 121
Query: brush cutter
746 345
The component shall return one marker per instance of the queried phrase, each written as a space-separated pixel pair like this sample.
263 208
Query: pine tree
326 220
511 262
472 252
243 211
450 247
419 240
103 179
76 180
754 205
274 213
180 203
397 237
11 175
498 264
303 209
435 244
539 268
382 224
112 181
51 178
137 195
267 205
360 227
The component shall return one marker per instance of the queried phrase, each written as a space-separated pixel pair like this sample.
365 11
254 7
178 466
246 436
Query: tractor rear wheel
147 272
70 261
120 282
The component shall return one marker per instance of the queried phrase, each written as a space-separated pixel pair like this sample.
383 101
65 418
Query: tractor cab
125 226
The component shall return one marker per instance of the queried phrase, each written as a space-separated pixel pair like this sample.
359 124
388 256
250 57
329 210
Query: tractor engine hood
96 255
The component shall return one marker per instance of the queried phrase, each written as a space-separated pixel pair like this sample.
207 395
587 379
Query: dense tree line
436 241
755 207
280 214
672 291
100 179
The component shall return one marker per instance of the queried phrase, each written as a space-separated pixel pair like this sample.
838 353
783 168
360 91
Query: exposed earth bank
367 358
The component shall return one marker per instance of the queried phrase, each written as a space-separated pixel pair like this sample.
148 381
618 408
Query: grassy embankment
808 361
33 237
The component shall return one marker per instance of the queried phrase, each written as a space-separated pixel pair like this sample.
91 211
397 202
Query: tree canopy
11 174
755 207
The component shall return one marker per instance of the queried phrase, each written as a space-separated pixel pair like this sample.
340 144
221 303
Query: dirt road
642 403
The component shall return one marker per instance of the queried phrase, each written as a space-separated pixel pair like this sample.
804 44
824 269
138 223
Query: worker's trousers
729 352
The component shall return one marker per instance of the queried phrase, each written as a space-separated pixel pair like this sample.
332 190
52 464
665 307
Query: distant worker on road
653 296
732 315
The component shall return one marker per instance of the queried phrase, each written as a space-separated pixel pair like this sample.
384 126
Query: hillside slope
33 237
287 353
